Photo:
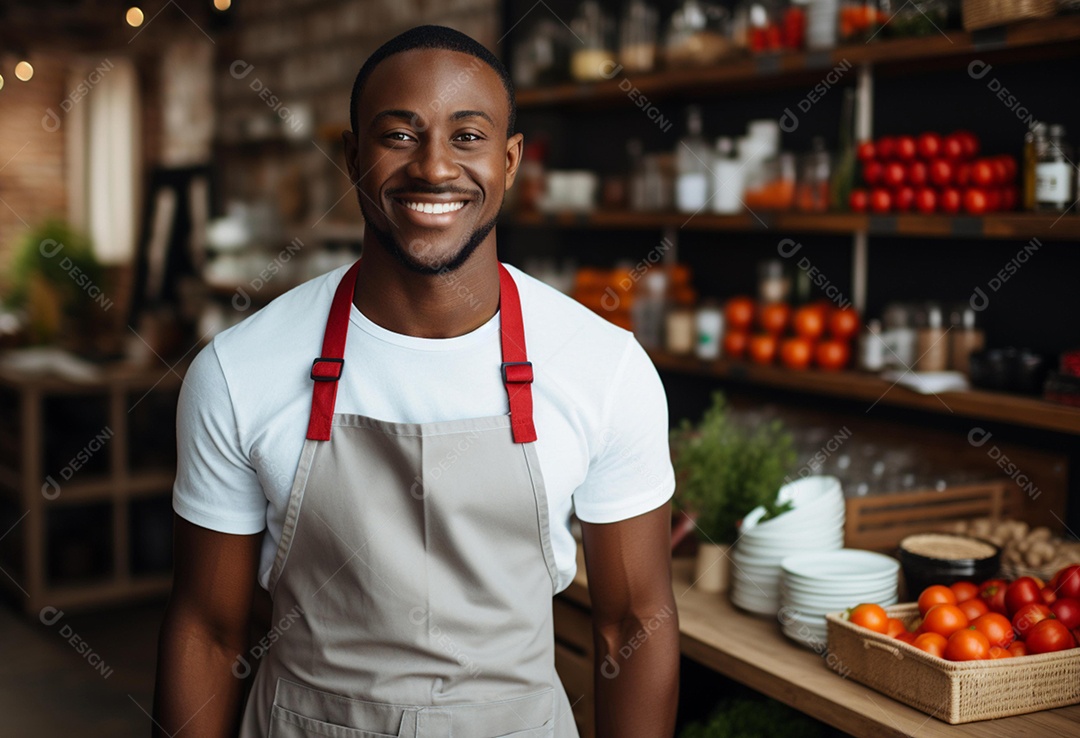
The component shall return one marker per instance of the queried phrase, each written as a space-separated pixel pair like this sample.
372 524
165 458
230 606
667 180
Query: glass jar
594 57
698 34
773 187
861 20
637 37
812 193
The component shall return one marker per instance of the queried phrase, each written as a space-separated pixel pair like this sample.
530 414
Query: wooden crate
880 522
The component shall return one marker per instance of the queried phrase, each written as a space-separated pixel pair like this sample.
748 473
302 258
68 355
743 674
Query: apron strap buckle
325 369
517 372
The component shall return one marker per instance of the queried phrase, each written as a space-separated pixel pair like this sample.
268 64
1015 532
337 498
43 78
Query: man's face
430 157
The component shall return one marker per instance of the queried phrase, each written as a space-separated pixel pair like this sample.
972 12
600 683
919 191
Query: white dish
846 565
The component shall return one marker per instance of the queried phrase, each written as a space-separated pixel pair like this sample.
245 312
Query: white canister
710 331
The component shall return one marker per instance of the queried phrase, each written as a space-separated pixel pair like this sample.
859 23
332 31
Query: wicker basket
956 692
986 13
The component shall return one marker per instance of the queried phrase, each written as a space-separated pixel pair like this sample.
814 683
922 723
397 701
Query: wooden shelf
1027 412
754 71
1019 226
751 650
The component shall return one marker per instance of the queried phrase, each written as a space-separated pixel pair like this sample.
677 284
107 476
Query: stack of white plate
815 523
813 585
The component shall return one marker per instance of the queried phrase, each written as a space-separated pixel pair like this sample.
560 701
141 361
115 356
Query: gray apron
413 581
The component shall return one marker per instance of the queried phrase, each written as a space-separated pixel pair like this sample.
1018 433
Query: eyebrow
408 115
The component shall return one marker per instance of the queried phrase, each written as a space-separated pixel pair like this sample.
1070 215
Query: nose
434 163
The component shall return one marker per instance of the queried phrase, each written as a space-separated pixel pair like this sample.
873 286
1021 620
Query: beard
413 256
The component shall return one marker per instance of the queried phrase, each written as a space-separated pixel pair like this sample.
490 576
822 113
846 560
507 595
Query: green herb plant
725 470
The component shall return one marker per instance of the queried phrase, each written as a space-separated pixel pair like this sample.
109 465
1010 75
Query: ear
352 149
514 146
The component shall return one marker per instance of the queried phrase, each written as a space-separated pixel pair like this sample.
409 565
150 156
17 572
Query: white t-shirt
599 408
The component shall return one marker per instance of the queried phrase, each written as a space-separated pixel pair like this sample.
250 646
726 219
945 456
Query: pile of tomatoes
932 173
994 620
822 333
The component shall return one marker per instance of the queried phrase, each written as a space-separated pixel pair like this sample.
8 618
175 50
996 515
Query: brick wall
32 183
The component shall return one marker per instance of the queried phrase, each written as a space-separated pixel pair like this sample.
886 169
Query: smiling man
394 451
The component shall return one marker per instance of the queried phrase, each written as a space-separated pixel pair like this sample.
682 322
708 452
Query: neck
428 305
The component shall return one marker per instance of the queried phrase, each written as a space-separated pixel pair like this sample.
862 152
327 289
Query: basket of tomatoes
969 651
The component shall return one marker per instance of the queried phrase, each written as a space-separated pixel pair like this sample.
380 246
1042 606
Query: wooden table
753 651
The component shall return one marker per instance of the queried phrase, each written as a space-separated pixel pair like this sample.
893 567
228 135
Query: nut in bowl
943 558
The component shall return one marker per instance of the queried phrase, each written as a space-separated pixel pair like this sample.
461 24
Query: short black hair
433 37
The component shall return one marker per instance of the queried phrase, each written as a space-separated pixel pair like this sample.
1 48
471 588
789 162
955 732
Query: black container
922 571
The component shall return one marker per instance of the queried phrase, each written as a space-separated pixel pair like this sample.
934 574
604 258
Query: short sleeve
215 487
630 473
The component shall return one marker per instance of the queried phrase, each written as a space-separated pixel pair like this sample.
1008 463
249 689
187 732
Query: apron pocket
288 724
547 729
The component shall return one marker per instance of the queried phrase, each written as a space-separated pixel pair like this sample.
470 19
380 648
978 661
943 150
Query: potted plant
55 278
723 471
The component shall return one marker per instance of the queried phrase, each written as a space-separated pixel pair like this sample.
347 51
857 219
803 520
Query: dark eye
467 137
398 137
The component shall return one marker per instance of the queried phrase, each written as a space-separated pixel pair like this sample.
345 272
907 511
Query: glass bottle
727 185
1034 143
931 346
692 166
812 193
1053 173
966 337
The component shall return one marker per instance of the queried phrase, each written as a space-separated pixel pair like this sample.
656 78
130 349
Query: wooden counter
753 651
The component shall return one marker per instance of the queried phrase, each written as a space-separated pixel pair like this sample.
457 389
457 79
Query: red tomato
880 200
1049 636
1067 610
974 608
917 173
941 172
935 594
1067 582
1010 166
844 323
859 201
809 322
1018 649
739 313
950 200
832 355
944 620
1021 592
929 145
996 627
982 173
962 174
904 198
993 591
906 637
964 591
1028 616
993 199
866 151
969 142
975 201
926 200
967 645
773 318
872 171
735 343
932 643
905 147
997 652
952 147
795 353
763 348
1010 197
1049 596
895 627
894 174
870 616
886 147
1001 170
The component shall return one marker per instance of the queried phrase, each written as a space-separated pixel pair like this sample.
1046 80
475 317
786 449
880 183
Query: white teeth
435 208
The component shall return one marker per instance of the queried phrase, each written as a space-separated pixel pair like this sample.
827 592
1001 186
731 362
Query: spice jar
965 338
637 37
681 330
710 330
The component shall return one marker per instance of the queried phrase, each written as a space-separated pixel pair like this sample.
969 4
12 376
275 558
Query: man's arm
204 631
635 625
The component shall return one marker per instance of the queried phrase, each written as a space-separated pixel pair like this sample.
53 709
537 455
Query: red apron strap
517 370
326 370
